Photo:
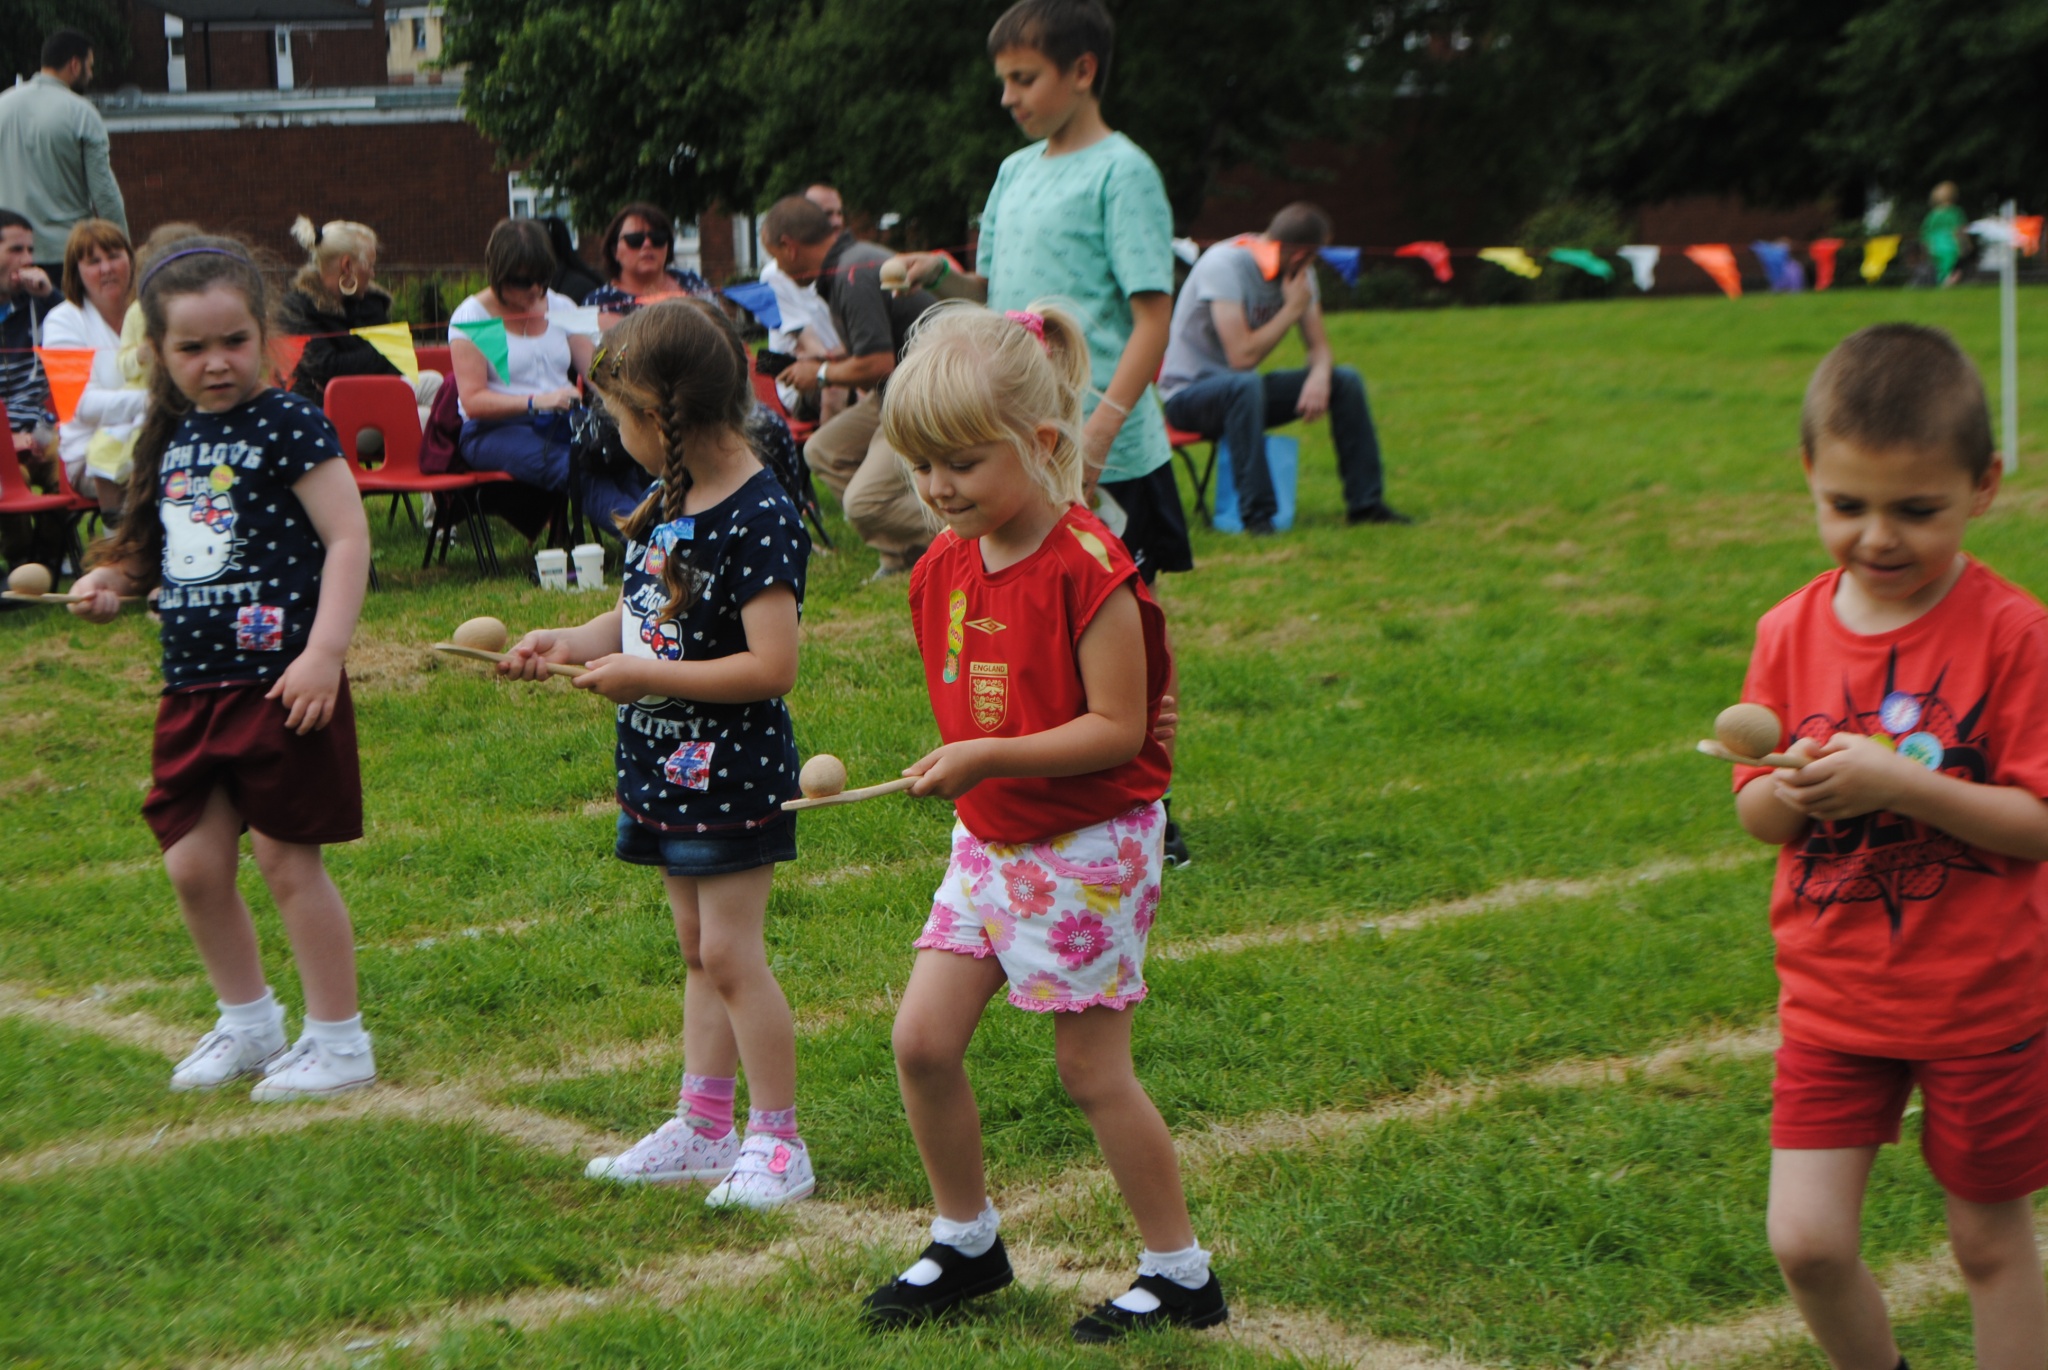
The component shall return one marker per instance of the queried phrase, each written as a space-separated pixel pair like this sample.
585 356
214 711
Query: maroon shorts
307 790
1985 1133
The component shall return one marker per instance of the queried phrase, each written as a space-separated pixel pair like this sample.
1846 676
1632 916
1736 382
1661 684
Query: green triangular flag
489 337
1584 261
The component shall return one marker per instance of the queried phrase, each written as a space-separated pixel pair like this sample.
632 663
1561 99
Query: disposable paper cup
553 566
589 558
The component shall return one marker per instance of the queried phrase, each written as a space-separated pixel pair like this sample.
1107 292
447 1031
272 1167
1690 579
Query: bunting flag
758 299
1343 261
580 319
1718 261
67 369
285 351
1822 251
1780 270
1994 231
1584 261
2026 229
1642 259
1436 254
393 342
1877 255
1187 249
488 335
1512 259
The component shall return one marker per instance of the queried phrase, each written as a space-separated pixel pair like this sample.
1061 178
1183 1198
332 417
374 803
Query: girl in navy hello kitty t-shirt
697 655
261 554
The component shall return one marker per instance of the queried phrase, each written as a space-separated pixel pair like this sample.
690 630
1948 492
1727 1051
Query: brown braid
683 363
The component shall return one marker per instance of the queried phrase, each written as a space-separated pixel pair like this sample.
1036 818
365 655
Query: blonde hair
328 243
971 376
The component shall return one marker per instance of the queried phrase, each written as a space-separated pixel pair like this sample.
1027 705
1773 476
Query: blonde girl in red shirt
1045 657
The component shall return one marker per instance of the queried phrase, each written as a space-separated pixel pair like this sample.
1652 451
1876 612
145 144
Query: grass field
1462 1015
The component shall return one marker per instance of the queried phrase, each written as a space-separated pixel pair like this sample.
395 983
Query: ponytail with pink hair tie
1034 324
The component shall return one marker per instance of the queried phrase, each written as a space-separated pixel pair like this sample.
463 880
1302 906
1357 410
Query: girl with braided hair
697 655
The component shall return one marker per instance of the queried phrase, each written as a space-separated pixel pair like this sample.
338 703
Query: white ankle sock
969 1239
344 1038
255 1016
1188 1268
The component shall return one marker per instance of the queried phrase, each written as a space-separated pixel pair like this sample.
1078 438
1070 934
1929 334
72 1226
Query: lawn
1462 1013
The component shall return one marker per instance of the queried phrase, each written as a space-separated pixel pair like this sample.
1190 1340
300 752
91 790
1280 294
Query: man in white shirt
806 329
53 149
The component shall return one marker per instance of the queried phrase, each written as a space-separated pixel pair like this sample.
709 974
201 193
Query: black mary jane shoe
899 1304
1179 1306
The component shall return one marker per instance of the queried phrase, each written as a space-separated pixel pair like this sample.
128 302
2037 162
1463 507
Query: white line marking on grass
88 1013
1510 895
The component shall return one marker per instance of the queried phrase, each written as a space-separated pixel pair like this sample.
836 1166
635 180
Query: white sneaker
315 1070
671 1154
226 1054
770 1172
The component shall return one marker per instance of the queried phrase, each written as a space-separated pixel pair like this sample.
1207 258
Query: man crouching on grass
1909 913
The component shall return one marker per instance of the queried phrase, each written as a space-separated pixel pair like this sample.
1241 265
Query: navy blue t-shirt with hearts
685 765
241 567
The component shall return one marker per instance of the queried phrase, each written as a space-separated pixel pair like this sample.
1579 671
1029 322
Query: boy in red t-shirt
1909 912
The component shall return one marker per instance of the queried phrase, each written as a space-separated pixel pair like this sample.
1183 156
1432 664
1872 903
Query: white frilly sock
969 1239
1189 1269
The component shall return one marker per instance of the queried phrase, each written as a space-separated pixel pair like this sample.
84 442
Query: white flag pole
2009 341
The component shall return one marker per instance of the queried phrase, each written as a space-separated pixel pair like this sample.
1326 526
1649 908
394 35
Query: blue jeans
533 450
1240 406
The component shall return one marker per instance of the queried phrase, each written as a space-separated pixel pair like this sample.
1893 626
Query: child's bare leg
709 1048
1816 1231
323 942
1094 1053
201 865
731 912
1994 1245
941 1007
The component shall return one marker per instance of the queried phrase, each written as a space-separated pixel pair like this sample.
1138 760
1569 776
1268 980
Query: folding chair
17 496
1180 439
387 403
797 482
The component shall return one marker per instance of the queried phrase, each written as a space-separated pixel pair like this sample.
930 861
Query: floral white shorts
1066 917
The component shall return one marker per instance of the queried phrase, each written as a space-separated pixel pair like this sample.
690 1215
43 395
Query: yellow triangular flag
393 342
1512 259
1877 255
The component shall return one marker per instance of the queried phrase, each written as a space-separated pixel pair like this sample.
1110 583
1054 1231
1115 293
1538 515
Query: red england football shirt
1000 661
1893 938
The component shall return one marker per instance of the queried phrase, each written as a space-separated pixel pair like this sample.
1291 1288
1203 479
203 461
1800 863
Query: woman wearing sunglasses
515 404
639 261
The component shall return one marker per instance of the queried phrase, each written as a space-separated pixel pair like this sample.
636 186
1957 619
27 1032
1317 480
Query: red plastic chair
765 391
1180 440
17 496
387 403
437 358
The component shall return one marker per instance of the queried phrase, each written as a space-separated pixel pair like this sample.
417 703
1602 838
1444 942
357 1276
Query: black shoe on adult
1173 848
1378 513
1263 528
1179 1306
900 1303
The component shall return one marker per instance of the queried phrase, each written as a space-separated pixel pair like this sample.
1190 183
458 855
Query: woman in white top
99 281
517 419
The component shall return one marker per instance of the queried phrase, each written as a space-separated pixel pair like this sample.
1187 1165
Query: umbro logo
986 625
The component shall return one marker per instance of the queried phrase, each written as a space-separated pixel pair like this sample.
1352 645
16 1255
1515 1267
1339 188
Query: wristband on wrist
945 268
529 406
1120 408
821 374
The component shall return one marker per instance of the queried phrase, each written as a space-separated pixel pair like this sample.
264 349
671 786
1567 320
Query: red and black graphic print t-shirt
1893 938
1000 660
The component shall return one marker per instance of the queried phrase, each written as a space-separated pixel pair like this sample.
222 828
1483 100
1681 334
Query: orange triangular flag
67 369
285 351
1264 251
1718 261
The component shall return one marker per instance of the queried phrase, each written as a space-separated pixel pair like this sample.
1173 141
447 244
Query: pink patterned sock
776 1122
706 1104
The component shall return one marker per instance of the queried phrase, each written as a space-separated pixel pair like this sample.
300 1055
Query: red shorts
1985 1133
307 790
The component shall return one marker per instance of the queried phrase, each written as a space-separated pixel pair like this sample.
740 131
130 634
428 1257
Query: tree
25 23
895 101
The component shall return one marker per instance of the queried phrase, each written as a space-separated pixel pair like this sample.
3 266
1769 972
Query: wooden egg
1748 729
484 634
894 276
29 579
823 776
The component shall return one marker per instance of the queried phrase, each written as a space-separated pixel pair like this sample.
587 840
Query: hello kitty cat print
199 527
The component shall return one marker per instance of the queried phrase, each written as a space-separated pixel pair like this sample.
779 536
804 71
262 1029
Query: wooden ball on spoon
484 634
894 275
1748 729
29 579
823 776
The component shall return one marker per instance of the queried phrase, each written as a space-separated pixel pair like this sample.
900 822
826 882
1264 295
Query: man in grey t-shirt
848 454
1237 304
54 164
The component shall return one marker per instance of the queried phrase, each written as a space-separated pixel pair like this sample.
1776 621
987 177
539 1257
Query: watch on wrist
821 374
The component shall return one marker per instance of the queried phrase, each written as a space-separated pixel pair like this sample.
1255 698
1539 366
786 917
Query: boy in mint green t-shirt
1081 215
